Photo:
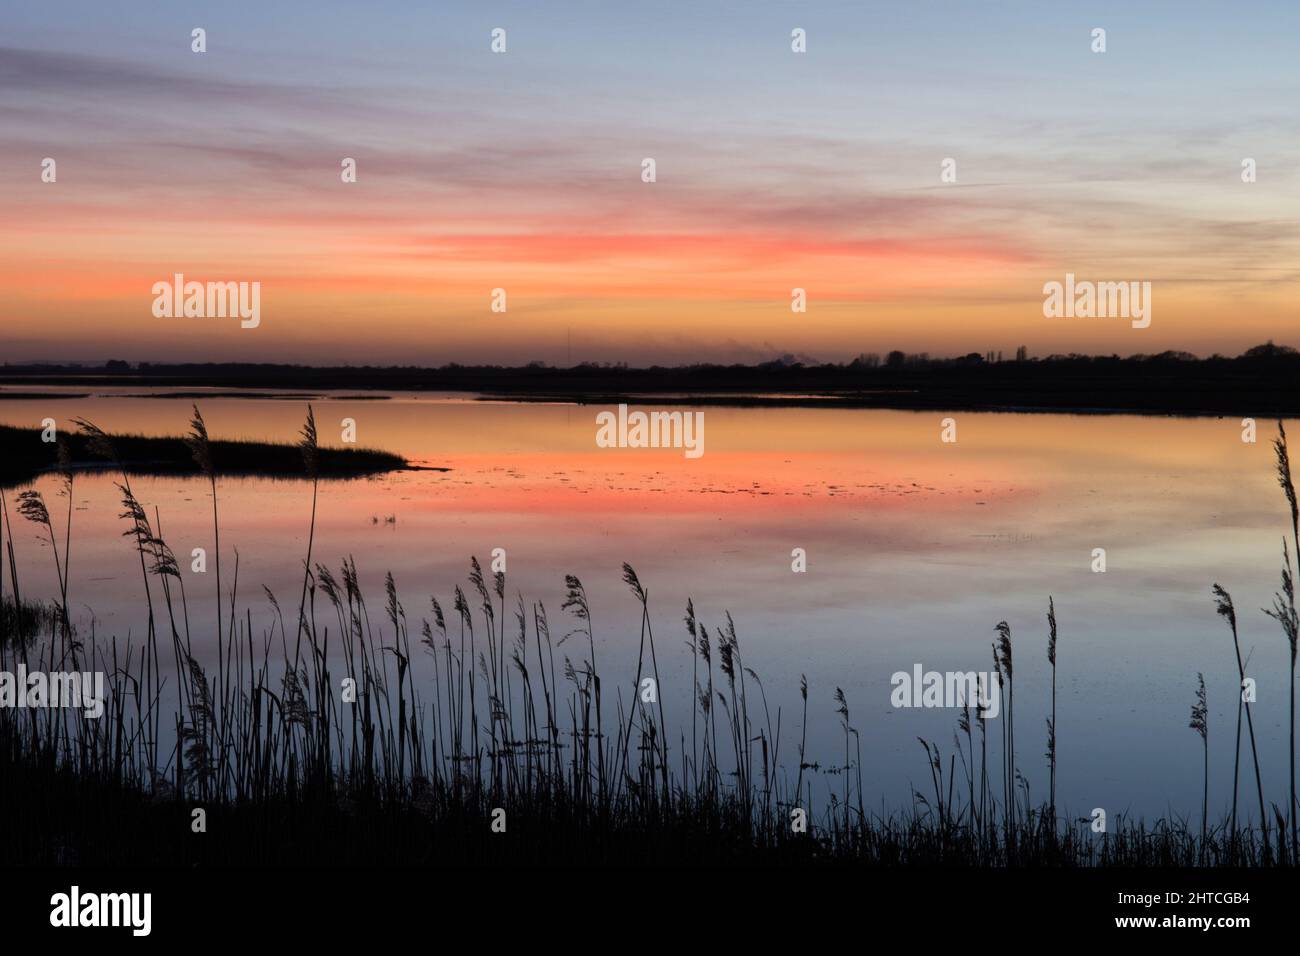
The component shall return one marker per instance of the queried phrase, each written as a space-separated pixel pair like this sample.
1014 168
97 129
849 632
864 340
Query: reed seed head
1200 711
310 446
198 444
1051 631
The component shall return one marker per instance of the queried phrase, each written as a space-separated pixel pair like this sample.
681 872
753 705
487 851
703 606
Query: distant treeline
1261 380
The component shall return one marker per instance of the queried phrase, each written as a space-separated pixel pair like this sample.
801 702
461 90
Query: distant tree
117 365
1268 351
896 359
1022 354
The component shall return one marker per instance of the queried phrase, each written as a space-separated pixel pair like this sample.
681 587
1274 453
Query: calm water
915 550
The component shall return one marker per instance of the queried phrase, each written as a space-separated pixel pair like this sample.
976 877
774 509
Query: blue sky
1123 164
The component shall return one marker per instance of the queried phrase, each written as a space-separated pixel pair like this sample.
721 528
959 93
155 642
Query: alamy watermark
651 430
947 689
34 690
1084 299
208 300
75 908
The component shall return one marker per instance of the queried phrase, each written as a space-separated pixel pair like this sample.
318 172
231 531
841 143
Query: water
915 550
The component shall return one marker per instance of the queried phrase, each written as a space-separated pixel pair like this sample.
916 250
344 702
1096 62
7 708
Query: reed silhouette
320 745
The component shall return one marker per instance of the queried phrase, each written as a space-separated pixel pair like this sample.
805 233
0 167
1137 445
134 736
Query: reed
1224 607
1051 721
1002 660
1200 724
1284 611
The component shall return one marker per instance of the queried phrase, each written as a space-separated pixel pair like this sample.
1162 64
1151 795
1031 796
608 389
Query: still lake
915 549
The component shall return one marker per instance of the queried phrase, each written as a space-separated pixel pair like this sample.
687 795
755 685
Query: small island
24 455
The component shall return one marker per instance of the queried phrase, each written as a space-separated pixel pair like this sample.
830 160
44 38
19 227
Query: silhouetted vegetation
1261 381
318 746
23 455
22 621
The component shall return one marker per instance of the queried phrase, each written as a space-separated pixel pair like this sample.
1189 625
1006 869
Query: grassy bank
23 456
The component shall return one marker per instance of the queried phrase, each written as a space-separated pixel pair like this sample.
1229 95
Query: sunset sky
522 171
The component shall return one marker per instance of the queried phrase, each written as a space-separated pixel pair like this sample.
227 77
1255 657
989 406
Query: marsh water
915 549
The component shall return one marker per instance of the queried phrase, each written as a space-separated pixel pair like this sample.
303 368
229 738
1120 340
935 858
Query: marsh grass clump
22 621
23 459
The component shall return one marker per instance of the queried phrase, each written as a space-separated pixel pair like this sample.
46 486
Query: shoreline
1263 381
937 401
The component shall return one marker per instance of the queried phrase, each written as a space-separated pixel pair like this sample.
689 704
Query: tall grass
328 730
1051 721
1200 723
1284 611
1224 607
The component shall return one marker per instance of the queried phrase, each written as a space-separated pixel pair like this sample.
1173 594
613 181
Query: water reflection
915 549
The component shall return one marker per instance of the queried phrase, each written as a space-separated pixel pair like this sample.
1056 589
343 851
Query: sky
522 171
